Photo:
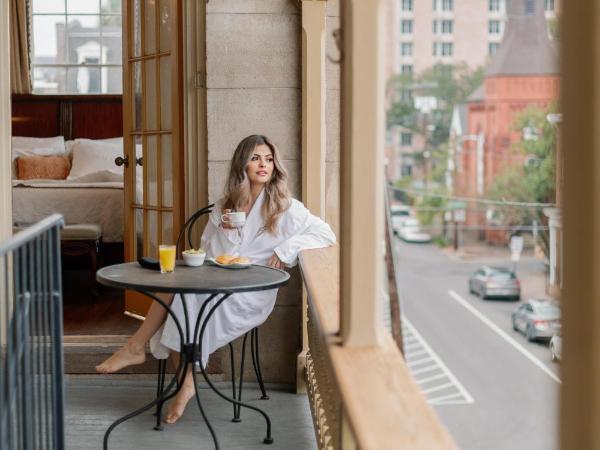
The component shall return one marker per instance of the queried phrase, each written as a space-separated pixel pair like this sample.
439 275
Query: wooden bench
84 239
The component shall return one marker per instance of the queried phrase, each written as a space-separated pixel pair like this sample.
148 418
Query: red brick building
523 73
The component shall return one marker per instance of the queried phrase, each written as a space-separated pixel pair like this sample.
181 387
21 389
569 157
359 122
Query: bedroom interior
69 122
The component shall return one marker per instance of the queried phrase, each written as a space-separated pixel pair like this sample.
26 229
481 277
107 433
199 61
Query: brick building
523 73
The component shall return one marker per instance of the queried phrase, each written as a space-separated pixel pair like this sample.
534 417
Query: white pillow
115 140
95 161
21 143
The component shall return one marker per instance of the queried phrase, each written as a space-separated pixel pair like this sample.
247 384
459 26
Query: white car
399 214
556 347
410 231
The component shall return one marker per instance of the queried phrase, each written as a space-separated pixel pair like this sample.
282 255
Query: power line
486 201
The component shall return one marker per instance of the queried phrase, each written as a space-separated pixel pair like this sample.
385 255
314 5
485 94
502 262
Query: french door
152 128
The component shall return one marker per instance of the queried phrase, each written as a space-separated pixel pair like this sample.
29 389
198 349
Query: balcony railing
31 369
360 397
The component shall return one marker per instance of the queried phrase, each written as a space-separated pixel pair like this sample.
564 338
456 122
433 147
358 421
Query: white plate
230 266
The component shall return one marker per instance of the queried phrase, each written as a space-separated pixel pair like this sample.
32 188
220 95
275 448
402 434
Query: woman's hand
225 224
275 262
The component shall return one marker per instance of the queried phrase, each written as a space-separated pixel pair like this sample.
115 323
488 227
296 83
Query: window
76 47
406 170
549 5
493 48
494 5
407 5
406 49
406 68
447 27
447 48
436 49
406 139
406 95
435 27
447 5
494 27
406 26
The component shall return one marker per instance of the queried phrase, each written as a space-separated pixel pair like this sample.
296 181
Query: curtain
20 79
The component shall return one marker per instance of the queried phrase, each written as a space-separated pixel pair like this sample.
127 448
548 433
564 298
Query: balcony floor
93 403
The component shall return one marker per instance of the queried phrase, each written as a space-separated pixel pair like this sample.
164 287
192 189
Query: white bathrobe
297 230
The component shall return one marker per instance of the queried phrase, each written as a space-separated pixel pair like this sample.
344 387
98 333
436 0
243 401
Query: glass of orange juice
166 255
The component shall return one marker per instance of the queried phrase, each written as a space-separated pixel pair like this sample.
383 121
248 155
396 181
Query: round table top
206 279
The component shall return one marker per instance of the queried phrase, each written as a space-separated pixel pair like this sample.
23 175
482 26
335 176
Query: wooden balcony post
580 100
362 172
5 121
313 134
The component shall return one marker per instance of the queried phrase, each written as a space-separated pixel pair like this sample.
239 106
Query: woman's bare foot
177 406
128 355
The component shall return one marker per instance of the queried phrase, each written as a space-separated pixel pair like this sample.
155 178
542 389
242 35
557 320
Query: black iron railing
31 351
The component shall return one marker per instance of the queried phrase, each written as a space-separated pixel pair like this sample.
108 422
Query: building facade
447 32
522 74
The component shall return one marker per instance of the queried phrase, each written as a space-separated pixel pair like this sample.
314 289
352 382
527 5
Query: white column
362 172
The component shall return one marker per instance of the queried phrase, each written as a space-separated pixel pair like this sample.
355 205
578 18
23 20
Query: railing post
313 134
362 172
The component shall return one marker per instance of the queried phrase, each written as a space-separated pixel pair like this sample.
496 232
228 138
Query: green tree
534 181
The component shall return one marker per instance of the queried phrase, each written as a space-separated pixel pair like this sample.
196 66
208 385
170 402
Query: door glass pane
153 238
168 237
150 37
165 25
139 170
136 28
151 168
167 170
139 234
136 95
165 92
151 95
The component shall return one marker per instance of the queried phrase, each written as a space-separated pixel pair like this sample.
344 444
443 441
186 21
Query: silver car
495 282
537 319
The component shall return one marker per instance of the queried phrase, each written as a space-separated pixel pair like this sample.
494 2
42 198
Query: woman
277 228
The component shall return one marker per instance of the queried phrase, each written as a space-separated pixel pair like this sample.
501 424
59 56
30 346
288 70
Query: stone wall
253 84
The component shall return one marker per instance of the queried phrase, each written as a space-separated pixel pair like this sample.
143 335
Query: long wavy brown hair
237 189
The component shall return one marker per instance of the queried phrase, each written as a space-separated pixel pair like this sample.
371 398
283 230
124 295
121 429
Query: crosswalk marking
437 383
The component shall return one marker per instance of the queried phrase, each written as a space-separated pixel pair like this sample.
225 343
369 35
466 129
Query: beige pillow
54 167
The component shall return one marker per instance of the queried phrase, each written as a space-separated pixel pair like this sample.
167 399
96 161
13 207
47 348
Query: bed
75 119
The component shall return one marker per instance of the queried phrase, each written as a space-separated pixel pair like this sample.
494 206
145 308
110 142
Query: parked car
410 231
537 319
498 282
556 346
399 213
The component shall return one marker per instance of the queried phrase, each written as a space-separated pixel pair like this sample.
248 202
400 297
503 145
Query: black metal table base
190 353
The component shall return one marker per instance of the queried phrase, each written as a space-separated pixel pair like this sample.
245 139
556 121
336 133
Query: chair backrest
189 225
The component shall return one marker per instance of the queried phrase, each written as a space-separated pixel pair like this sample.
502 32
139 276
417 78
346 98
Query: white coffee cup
234 219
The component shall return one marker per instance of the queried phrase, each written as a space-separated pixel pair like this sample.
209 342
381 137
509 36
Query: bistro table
219 284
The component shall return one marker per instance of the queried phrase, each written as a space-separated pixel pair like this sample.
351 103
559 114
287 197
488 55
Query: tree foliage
533 182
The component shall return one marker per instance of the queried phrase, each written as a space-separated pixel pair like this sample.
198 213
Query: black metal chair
254 347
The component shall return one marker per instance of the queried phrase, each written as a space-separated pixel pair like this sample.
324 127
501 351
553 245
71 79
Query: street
499 390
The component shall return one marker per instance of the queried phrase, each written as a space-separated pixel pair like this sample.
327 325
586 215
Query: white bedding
100 203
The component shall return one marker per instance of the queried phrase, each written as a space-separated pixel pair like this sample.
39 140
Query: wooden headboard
71 116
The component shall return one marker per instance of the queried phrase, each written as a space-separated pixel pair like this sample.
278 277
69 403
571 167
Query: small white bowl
193 259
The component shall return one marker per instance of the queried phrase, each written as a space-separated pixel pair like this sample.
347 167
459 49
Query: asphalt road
513 383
